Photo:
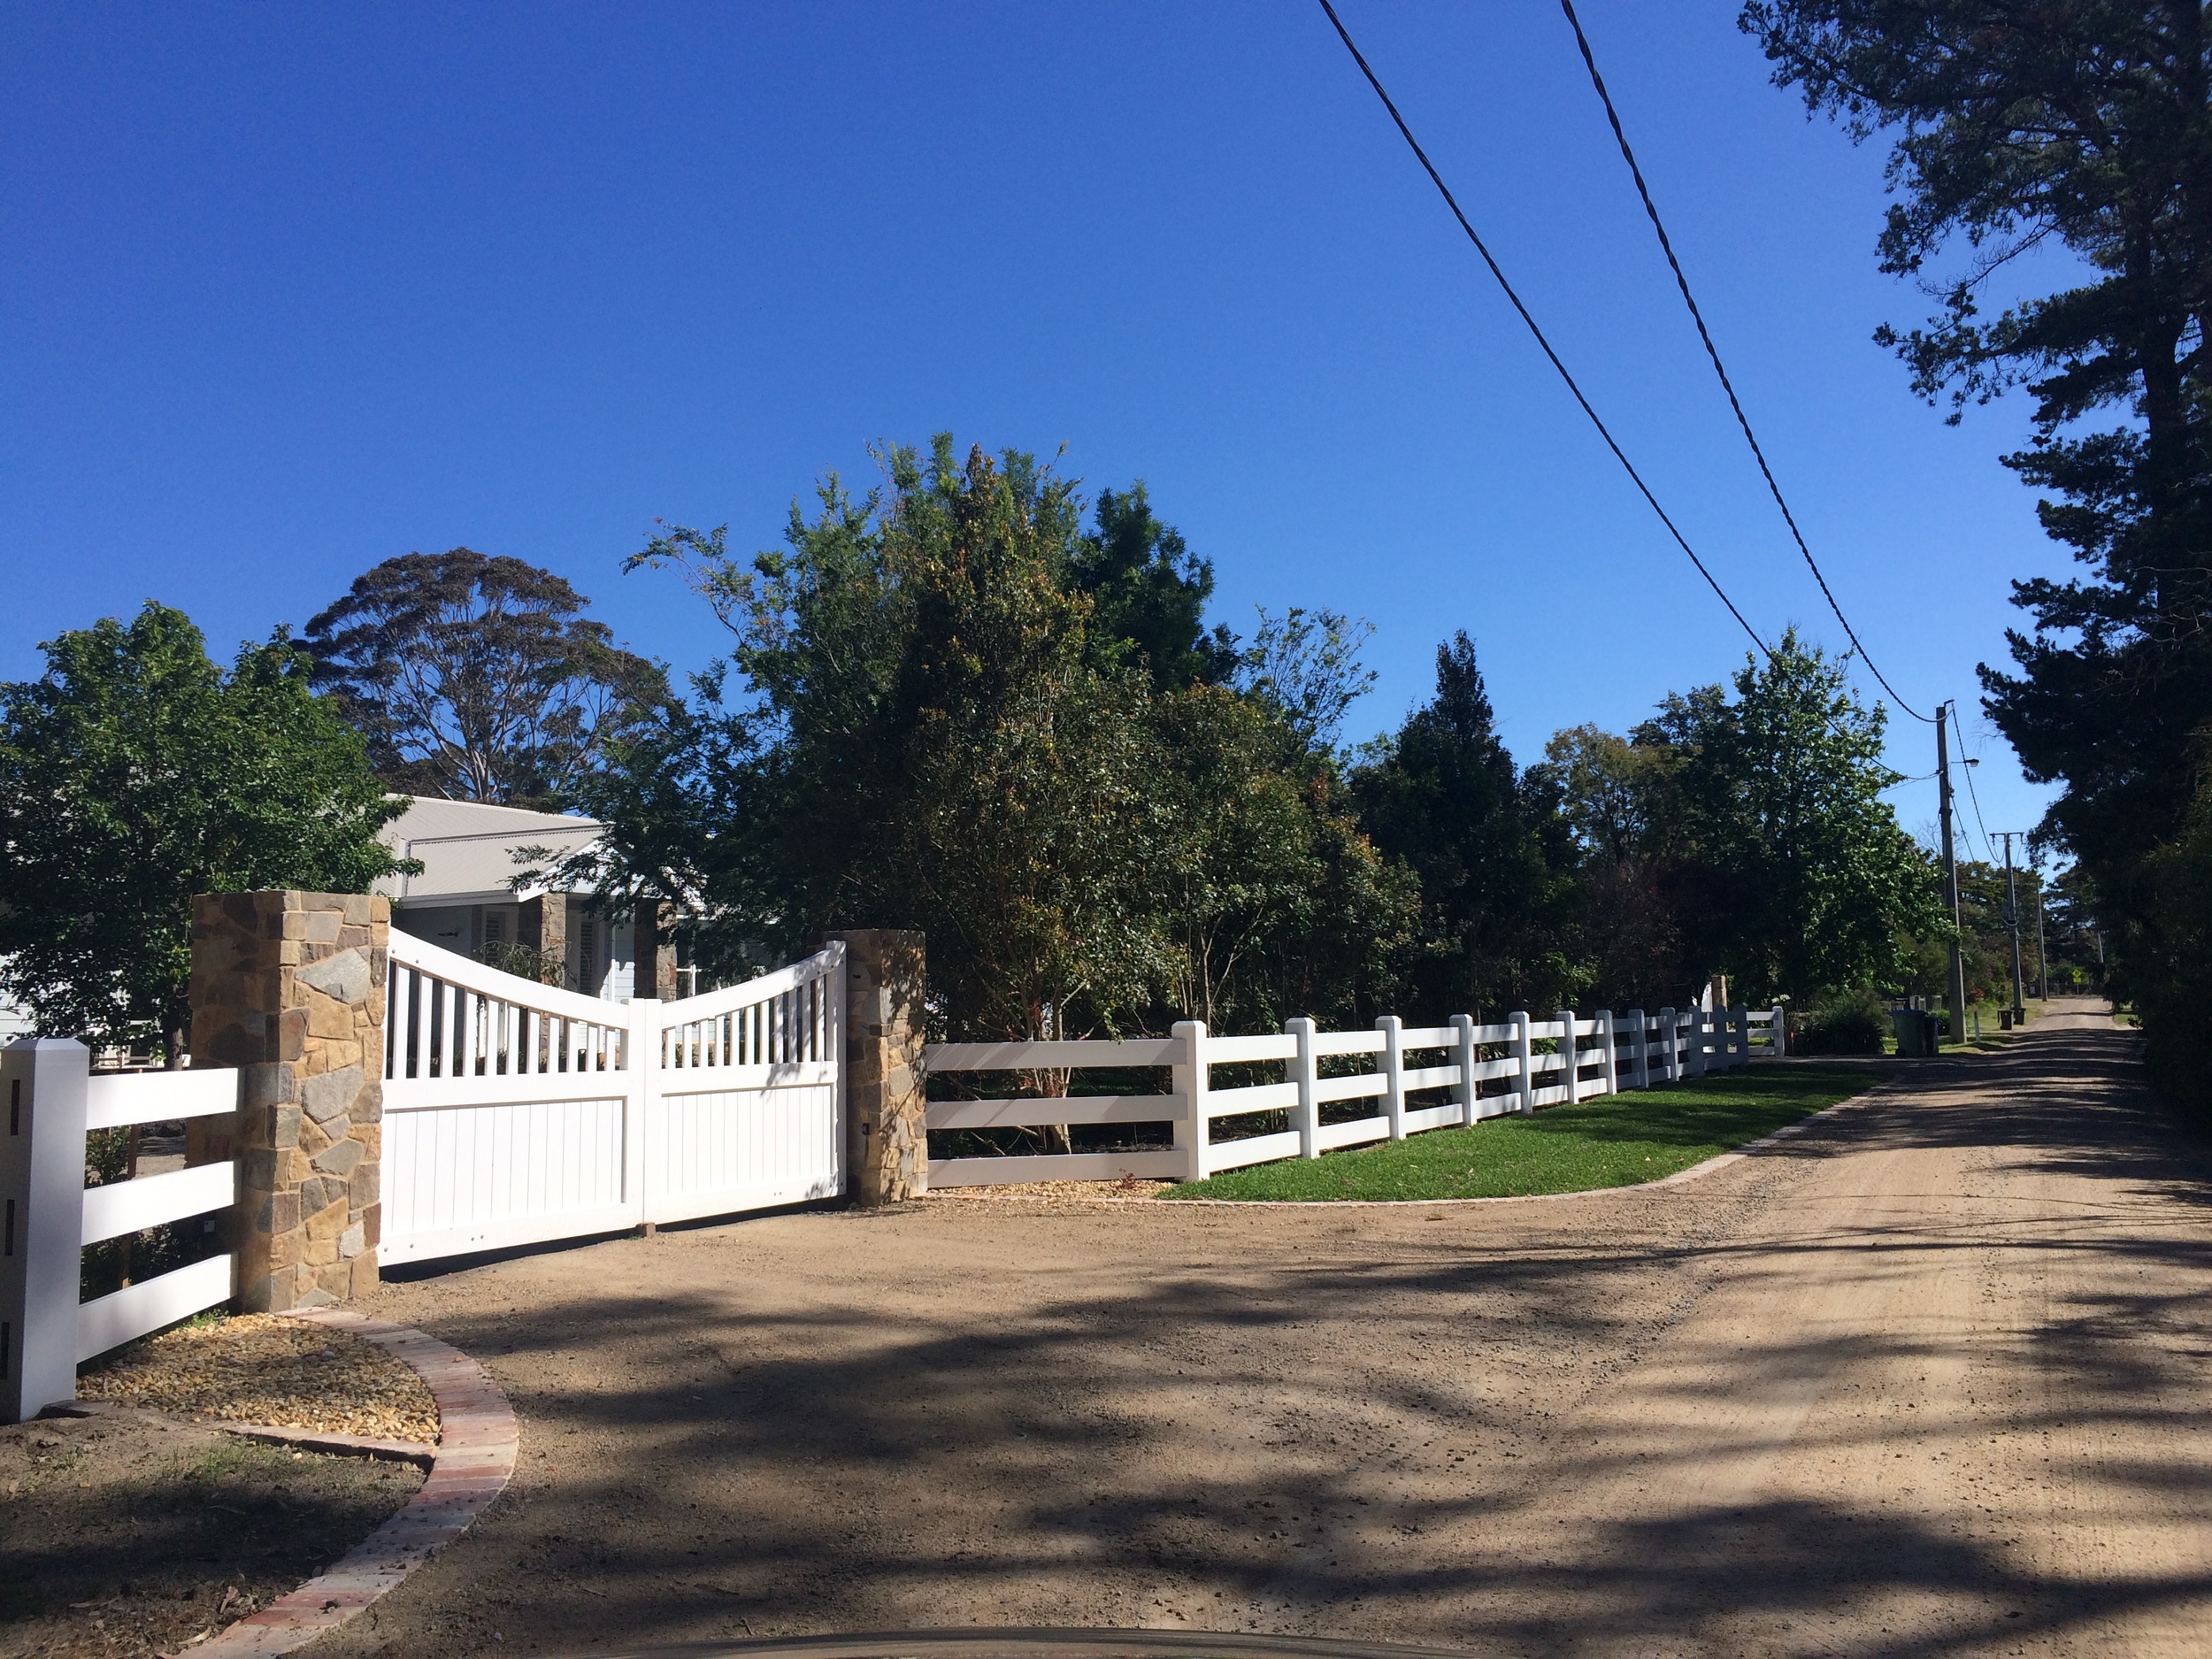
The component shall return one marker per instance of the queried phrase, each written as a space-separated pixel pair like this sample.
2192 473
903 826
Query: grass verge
1616 1141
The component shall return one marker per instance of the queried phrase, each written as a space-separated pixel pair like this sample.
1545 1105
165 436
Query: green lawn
1616 1141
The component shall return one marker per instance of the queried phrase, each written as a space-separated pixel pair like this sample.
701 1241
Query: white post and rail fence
358 1096
1410 1079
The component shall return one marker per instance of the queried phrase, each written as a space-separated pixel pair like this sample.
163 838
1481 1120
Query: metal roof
467 848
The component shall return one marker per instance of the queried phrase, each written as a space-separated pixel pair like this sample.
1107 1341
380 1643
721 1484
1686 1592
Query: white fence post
642 1045
1570 1054
1639 1055
1739 1035
42 1213
1609 1060
1464 1090
1305 1117
1694 1045
1669 1050
1393 1059
1191 1078
1777 1045
1524 1057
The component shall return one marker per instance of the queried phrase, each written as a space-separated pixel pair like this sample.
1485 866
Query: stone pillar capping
886 1147
289 986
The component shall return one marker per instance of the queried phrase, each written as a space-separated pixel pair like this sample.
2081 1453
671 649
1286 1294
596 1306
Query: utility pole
2012 921
1957 986
2042 961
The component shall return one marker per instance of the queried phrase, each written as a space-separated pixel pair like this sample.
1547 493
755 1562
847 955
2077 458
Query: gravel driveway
1930 1379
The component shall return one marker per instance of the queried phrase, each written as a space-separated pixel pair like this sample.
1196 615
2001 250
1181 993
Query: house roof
467 848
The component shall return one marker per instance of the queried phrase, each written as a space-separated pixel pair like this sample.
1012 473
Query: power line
1989 854
1698 317
1444 190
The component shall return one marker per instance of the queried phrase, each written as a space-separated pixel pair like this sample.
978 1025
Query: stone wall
887 1149
290 987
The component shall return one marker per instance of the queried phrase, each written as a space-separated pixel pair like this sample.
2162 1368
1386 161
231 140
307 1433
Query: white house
464 900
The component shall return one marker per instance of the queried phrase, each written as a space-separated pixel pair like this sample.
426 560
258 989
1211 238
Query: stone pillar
543 927
886 1145
289 986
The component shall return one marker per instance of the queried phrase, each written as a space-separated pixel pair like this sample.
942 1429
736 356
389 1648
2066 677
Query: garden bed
261 1369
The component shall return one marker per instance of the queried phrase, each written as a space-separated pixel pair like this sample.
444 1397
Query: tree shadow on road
1348 1437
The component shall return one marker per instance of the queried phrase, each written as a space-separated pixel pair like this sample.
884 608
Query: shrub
1855 1022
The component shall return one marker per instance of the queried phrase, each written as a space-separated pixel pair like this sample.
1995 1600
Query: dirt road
1930 1379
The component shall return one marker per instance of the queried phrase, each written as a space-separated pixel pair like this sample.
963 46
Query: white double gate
515 1113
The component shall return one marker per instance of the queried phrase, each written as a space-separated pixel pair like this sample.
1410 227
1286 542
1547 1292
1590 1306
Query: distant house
463 901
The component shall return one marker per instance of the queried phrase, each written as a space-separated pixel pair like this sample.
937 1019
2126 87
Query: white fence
48 1216
515 1113
1480 1070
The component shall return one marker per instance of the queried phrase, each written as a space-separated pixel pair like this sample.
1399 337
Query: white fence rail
516 1113
1480 1071
48 1216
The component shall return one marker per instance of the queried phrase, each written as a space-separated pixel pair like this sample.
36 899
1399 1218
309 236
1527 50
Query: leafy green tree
478 678
1148 594
1305 666
1272 899
933 745
1620 801
973 716
2089 127
1804 884
2169 970
136 773
1487 845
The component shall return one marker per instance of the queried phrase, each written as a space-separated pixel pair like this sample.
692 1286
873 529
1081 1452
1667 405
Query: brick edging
477 1442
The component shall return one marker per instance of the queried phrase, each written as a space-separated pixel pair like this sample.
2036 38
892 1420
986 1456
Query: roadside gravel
1927 1377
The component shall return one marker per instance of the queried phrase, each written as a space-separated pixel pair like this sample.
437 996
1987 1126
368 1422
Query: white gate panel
712 1153
458 1179
516 1113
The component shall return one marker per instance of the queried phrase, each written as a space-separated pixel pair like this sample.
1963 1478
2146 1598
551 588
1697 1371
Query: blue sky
289 290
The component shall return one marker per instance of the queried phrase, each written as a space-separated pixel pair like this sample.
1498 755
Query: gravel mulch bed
259 1368
1126 1190
128 1535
